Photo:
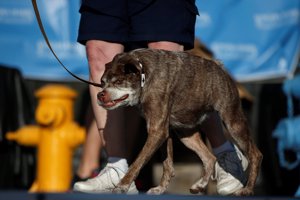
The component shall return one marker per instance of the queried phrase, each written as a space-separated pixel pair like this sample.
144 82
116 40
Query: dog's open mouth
114 102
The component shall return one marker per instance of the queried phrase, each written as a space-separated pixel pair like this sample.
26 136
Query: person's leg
109 123
213 129
99 53
231 164
104 29
171 46
92 146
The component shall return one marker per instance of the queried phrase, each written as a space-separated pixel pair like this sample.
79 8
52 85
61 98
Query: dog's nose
101 96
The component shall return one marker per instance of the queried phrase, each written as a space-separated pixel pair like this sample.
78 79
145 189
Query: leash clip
143 79
143 76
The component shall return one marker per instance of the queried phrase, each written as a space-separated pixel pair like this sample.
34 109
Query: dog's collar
143 77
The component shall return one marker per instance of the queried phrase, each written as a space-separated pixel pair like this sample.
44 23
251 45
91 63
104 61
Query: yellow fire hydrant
55 135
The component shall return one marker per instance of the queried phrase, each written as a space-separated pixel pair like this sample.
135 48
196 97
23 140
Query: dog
177 90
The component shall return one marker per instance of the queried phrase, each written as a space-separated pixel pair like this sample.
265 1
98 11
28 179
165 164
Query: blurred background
258 41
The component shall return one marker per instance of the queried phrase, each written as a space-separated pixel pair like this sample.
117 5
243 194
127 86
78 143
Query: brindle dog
177 90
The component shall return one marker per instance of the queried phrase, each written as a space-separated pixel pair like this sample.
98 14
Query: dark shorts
138 21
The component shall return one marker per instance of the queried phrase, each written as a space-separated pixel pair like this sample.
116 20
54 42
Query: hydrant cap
55 90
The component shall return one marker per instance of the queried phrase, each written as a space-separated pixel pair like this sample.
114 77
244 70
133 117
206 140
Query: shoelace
107 171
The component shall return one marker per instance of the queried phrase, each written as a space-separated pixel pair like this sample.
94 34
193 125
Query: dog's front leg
156 136
168 169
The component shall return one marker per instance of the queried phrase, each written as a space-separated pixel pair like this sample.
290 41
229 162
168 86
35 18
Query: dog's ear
129 64
130 68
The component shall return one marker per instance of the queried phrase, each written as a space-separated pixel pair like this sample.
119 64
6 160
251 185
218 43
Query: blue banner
255 39
22 44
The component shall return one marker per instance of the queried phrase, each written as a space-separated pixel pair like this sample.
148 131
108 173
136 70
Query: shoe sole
132 190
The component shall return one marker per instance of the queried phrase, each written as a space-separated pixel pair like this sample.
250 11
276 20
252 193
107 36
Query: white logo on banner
64 49
267 21
230 51
16 16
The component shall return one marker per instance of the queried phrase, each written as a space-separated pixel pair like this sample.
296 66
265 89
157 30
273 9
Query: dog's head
121 82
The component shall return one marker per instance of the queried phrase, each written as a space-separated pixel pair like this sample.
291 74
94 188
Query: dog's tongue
110 104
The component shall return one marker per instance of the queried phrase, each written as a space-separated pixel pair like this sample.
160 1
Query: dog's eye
118 81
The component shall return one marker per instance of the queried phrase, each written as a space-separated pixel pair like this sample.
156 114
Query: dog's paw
199 187
243 192
156 190
199 191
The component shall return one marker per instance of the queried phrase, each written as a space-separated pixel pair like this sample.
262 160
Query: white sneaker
104 182
226 183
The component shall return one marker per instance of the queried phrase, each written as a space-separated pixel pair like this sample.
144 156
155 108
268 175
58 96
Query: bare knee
98 54
166 45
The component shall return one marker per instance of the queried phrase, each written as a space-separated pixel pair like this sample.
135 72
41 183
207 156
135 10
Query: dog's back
194 85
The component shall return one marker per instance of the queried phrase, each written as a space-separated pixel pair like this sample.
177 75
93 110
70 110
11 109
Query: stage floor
24 195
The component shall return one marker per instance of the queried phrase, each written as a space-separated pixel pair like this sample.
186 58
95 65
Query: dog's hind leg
194 142
168 169
236 123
